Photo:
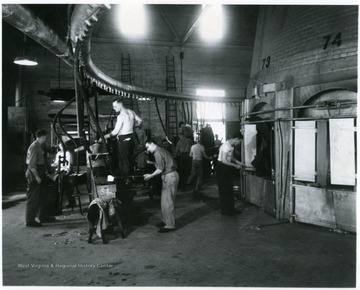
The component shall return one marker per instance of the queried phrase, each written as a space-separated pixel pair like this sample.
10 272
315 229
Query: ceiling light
25 60
211 23
57 99
132 19
61 95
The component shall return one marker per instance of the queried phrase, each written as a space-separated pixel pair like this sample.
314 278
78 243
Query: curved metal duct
80 19
81 28
23 19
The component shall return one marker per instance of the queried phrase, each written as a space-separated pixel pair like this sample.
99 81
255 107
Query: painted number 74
336 40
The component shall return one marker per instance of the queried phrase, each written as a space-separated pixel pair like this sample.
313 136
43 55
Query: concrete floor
207 249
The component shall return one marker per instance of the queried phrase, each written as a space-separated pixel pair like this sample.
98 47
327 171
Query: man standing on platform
124 132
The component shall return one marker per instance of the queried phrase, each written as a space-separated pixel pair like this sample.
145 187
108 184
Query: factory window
212 114
208 110
211 22
132 19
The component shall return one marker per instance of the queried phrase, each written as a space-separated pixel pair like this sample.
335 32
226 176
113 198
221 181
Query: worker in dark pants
36 177
183 147
225 172
197 153
124 132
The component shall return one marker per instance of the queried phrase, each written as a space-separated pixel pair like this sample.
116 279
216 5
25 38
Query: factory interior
105 108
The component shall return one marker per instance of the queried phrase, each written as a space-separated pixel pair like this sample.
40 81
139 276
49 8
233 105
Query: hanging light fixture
60 95
56 96
25 59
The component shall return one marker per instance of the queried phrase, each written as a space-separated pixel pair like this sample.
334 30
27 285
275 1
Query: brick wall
291 42
218 68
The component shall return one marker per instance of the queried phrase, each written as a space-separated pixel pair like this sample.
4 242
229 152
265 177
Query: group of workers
39 179
165 166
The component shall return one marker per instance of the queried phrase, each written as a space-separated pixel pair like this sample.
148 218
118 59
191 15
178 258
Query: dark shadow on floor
10 204
207 206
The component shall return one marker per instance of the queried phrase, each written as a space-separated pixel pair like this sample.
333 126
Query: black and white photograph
179 144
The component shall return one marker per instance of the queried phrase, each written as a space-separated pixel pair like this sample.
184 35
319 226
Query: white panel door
342 151
305 150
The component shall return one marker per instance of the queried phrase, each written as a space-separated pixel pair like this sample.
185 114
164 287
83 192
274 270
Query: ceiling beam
177 38
169 43
191 29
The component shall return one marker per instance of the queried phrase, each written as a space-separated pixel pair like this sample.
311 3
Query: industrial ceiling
57 29
166 23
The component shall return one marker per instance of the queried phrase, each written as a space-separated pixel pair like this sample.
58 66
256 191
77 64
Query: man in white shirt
225 174
63 164
124 132
59 163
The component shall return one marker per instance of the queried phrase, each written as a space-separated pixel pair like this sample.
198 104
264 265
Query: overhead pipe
81 17
28 23
317 106
298 119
